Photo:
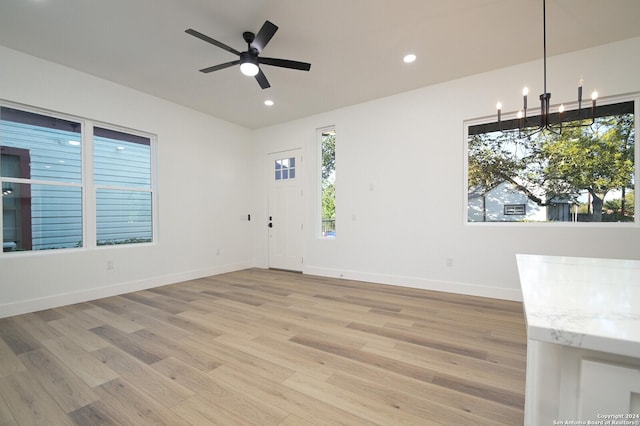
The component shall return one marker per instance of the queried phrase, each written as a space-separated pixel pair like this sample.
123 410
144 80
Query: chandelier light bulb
594 95
520 114
499 106
561 108
525 91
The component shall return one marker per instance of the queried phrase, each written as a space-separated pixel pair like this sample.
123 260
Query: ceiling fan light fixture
249 59
248 64
249 69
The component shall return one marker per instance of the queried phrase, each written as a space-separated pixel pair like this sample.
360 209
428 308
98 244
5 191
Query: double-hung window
122 179
67 183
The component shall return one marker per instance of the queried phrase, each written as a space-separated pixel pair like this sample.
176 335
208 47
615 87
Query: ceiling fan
250 59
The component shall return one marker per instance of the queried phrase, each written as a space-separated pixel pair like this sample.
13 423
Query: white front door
284 171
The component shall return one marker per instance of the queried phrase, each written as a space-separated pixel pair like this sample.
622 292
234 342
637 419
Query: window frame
283 170
110 187
319 219
514 209
25 166
87 186
631 97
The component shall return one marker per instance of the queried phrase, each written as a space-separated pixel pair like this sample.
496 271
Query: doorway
285 210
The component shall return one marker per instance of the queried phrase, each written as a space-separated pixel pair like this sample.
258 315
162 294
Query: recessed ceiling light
409 58
268 102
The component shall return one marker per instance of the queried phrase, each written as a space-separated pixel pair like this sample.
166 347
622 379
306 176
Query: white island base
583 340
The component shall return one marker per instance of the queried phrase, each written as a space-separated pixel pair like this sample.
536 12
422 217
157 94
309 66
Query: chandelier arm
544 41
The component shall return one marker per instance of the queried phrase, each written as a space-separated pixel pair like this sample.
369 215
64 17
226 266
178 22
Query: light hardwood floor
266 347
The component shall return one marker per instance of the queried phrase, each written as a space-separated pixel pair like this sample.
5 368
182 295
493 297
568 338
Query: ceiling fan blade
220 67
262 80
212 41
285 63
264 35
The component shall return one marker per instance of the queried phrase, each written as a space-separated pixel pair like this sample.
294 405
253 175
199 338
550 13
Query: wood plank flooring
260 347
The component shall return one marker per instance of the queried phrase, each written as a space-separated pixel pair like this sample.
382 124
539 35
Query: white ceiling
355 46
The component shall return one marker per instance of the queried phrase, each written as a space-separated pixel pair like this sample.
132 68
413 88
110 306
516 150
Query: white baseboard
421 283
63 299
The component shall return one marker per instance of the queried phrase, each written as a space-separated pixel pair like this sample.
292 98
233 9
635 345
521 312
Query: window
584 173
515 209
285 168
49 202
41 173
328 182
122 179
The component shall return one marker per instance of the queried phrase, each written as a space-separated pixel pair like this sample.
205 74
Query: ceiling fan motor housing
248 36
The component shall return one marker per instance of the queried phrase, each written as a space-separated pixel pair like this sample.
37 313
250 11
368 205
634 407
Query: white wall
401 206
204 187
401 203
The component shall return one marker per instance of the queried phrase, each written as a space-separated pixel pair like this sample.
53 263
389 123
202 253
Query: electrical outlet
110 265
449 262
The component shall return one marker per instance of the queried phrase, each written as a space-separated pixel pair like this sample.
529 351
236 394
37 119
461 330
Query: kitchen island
583 340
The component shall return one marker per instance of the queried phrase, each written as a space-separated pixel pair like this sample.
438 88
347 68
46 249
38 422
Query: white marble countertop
582 302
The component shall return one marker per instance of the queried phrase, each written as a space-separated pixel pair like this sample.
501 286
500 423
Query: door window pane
285 168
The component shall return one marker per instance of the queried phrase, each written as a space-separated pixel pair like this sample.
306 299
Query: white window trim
89 211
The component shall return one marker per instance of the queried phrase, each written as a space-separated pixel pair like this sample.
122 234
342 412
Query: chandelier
549 121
